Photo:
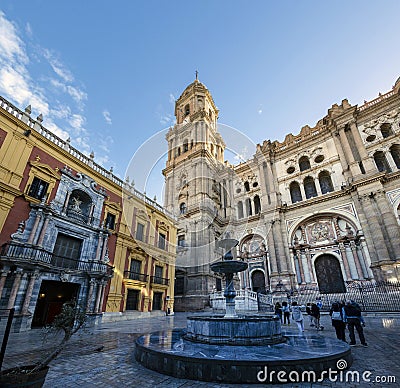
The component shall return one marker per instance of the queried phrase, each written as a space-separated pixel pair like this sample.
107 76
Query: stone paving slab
104 357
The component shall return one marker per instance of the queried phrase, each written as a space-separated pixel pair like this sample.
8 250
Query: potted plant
69 321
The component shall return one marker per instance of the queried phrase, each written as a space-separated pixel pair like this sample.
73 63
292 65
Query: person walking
316 314
338 323
278 310
286 313
297 316
352 316
308 311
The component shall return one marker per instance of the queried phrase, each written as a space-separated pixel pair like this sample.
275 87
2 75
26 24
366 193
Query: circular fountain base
300 357
240 330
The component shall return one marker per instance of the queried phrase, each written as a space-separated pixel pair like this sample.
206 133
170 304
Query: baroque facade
71 229
319 209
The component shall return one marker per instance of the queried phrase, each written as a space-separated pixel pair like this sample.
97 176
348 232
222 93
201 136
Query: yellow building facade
71 229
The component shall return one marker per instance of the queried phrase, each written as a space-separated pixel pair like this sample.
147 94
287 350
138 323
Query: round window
370 138
290 170
319 158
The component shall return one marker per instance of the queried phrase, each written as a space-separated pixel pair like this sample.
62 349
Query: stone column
90 294
98 297
103 251
353 165
99 246
368 162
342 157
300 267
3 277
345 261
303 193
378 240
103 289
15 287
64 210
35 226
350 260
356 260
310 266
43 231
390 222
317 186
28 295
304 264
271 251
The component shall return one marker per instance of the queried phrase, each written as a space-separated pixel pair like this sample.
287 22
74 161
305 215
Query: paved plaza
105 356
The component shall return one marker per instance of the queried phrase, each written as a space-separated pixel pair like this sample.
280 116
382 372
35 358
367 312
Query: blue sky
107 73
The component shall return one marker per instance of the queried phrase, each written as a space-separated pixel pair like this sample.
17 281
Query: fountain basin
240 330
302 357
229 266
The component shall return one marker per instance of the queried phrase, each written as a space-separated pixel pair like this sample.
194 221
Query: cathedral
320 209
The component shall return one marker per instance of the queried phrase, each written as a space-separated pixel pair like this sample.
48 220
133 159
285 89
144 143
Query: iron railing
370 295
159 280
37 255
135 276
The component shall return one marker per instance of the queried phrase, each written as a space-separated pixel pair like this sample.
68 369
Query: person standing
336 314
286 313
278 310
297 316
308 311
352 316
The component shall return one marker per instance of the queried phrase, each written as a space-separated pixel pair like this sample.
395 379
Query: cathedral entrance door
329 275
258 281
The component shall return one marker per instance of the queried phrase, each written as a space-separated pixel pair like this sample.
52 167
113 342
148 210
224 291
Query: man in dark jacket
352 316
315 313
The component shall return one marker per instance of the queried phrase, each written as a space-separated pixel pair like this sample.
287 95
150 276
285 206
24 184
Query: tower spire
197 75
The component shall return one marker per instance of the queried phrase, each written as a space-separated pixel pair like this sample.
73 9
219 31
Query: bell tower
195 193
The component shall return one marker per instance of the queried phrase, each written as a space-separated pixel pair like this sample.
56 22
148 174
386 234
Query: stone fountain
236 348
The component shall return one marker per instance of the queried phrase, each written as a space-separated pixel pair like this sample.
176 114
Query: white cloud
167 119
58 67
172 98
260 111
62 104
107 116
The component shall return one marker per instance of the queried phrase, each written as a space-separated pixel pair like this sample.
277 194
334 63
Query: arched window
309 187
325 182
185 146
191 144
179 151
295 192
381 163
182 208
304 163
395 152
386 130
240 209
257 205
247 186
249 210
187 110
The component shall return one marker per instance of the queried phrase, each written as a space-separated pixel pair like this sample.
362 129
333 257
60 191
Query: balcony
141 277
30 255
159 280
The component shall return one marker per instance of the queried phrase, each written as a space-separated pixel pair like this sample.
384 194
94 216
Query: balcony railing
141 277
159 280
36 255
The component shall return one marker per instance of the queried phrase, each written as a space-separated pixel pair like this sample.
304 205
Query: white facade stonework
321 208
